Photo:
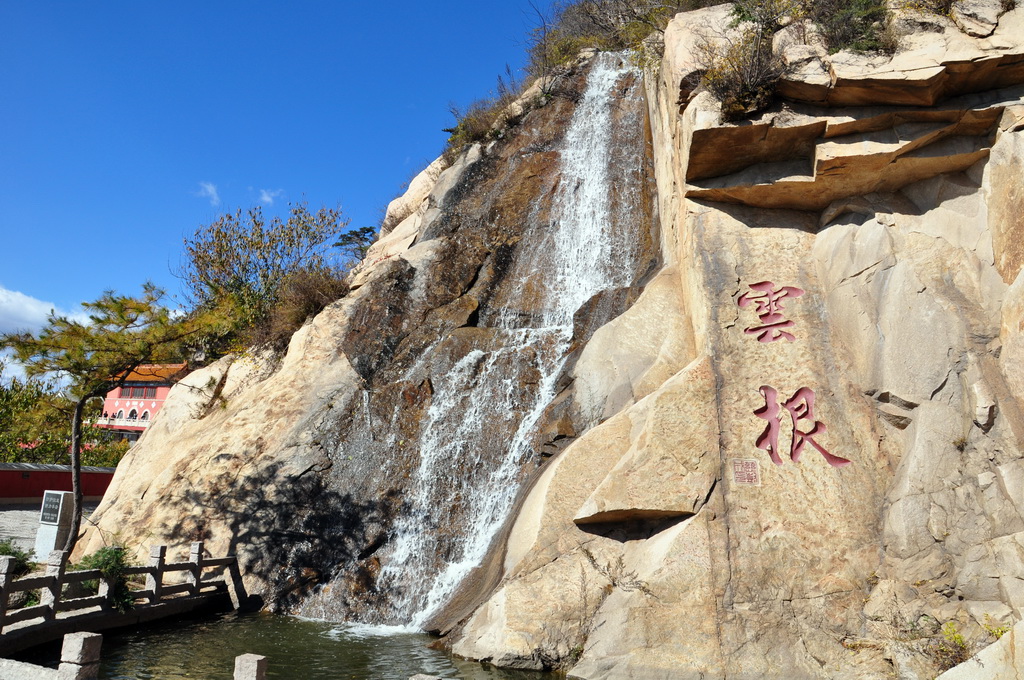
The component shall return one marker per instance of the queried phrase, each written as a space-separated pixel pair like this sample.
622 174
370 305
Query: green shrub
995 629
558 48
767 16
105 453
604 25
22 559
474 123
486 118
112 562
940 7
952 650
741 68
235 269
741 73
860 25
302 295
556 41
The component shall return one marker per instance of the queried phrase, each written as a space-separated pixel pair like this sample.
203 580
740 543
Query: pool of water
296 649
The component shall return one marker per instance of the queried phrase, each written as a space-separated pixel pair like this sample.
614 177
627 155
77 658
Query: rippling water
296 649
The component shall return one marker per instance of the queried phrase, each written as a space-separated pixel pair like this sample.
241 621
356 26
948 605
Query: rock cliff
780 437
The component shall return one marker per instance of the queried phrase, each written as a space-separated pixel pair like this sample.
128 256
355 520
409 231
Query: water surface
296 649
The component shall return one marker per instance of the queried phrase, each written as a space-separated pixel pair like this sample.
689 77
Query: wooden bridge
56 615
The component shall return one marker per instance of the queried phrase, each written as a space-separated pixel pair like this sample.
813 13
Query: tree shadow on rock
291 532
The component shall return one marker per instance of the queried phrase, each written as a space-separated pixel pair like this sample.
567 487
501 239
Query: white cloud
267 196
12 370
209 190
20 312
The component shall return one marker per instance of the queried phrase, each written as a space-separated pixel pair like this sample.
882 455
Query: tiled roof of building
160 373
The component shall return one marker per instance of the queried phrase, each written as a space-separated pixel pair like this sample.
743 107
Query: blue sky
124 125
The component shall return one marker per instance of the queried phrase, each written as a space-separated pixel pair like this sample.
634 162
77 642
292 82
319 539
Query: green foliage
996 630
554 43
952 649
859 25
355 242
553 46
486 118
112 562
22 559
97 354
766 15
741 72
741 68
104 450
247 255
474 123
120 334
35 426
635 25
237 267
302 295
939 7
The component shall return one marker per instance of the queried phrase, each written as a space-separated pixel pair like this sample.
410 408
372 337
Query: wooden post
6 577
155 578
80 656
50 595
195 573
250 667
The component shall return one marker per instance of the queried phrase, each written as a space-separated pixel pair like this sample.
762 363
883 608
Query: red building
129 409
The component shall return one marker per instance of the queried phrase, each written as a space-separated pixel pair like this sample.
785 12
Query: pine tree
97 355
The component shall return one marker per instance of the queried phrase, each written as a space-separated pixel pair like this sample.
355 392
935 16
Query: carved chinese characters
767 300
768 305
800 407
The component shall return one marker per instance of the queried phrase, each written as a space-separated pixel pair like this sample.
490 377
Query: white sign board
54 522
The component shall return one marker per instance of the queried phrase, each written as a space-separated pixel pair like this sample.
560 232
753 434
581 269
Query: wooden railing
51 584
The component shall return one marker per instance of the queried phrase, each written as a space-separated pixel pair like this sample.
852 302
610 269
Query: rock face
1002 659
389 444
831 472
782 441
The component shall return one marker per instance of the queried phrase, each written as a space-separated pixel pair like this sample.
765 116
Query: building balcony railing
122 422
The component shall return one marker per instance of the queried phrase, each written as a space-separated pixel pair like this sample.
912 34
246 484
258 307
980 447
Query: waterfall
459 497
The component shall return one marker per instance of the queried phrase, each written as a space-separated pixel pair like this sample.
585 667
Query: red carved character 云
768 305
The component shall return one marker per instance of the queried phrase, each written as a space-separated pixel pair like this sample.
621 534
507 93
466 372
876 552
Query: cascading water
458 498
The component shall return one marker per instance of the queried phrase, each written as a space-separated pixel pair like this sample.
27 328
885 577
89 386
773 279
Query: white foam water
459 498
583 256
